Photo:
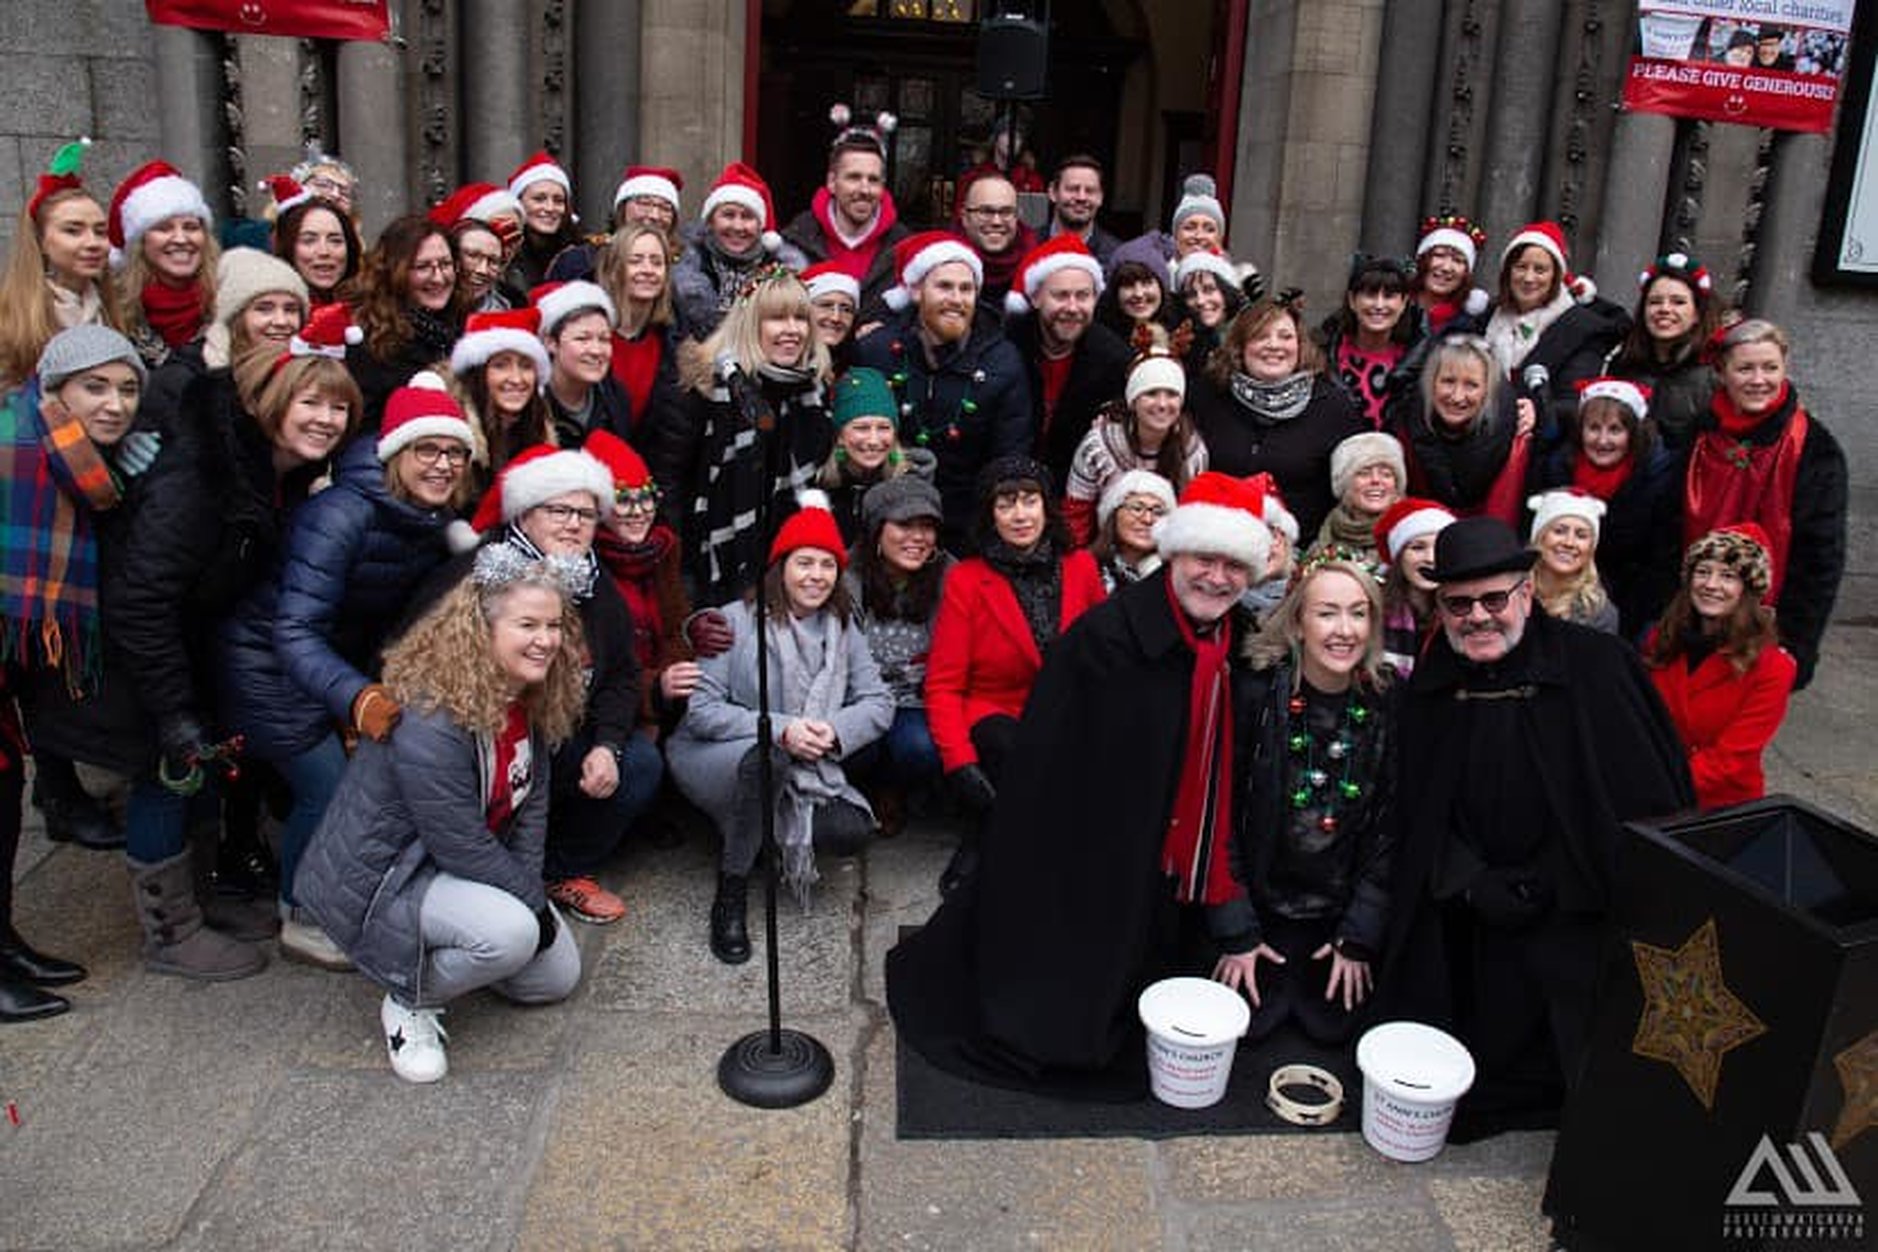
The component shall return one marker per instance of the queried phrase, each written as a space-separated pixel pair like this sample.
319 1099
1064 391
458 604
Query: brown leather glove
375 712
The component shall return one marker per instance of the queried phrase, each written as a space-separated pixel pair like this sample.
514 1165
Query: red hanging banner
366 20
1774 63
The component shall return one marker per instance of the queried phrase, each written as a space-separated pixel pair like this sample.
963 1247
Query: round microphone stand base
755 1072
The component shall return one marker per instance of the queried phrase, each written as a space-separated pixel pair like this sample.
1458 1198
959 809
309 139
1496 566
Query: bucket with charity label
1194 1026
1413 1076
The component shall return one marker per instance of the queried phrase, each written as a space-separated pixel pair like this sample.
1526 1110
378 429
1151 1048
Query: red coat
983 659
1726 719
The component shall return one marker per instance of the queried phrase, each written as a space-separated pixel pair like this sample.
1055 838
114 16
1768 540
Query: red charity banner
366 20
1719 93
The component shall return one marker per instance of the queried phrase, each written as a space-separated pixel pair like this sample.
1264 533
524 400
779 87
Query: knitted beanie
864 392
900 499
1359 452
1199 194
811 526
1548 506
79 348
245 273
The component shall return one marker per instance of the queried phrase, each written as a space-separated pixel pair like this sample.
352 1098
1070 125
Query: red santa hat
1206 261
1633 396
150 193
537 475
1407 520
1551 237
1548 506
810 526
1451 230
284 192
1218 515
626 466
1053 256
918 255
826 278
539 168
474 202
421 409
509 330
656 181
1272 507
559 301
328 333
740 184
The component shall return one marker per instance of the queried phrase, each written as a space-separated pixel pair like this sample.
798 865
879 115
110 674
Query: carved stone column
606 77
1632 217
1402 128
1459 119
272 133
1783 257
189 106
691 85
372 131
496 103
1525 61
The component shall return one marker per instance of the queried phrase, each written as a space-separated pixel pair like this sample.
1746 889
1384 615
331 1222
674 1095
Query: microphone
749 400
1535 378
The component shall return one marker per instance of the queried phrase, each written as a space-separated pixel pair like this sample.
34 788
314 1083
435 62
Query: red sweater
983 659
1726 719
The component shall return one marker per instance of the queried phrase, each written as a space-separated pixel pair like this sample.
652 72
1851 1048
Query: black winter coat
1027 976
1097 373
162 405
304 643
1679 392
378 378
202 528
1571 348
1296 452
1640 538
970 408
611 410
1455 470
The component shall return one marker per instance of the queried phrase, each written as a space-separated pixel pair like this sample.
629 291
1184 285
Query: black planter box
1730 1087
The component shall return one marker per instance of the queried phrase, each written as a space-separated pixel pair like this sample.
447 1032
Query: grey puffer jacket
406 810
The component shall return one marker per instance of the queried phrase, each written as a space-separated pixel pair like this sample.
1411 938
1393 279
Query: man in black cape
1105 866
1527 742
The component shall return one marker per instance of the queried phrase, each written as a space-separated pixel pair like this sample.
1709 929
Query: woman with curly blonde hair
426 869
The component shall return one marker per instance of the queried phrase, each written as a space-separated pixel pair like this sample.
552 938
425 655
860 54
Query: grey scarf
1271 402
812 683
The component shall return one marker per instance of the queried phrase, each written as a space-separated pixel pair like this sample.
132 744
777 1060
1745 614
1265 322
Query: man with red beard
852 222
1075 366
960 384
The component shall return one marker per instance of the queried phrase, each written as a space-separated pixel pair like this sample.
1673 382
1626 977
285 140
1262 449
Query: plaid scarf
52 480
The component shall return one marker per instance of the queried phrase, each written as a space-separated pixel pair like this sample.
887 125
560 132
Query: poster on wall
1847 251
367 20
1772 63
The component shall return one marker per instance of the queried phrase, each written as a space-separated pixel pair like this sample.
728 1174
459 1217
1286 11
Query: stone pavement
261 1114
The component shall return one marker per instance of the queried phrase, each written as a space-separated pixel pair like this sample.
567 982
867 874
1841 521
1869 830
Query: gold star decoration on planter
1858 1074
1690 1018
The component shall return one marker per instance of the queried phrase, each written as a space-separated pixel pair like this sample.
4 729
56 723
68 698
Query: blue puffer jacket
302 646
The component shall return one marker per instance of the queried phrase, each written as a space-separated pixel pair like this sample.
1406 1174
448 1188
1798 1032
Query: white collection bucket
1413 1076
1194 1026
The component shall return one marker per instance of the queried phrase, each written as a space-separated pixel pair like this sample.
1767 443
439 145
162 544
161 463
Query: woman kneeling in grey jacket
426 869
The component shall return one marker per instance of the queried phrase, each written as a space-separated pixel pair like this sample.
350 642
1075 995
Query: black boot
962 866
18 961
82 821
20 1001
730 934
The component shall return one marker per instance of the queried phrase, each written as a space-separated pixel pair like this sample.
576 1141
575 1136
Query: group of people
453 560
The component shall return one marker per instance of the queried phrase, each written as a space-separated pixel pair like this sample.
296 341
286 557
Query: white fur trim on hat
168 196
460 537
475 349
1478 302
735 193
1036 274
493 204
1213 263
538 481
1540 239
1136 482
1281 519
1414 526
647 185
1548 506
544 173
569 298
436 426
1448 237
942 252
832 283
1215 530
1155 373
1621 390
1358 452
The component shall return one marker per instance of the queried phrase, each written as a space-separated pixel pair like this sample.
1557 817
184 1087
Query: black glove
544 918
1509 899
184 745
973 788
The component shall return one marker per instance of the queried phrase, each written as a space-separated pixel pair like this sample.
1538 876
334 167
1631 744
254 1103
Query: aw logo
1804 1194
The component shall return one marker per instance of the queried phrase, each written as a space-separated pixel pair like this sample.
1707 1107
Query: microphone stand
774 1068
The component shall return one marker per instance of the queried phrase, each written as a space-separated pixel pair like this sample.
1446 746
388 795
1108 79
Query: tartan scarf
52 480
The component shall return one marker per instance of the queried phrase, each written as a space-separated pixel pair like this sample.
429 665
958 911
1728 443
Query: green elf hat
863 392
61 173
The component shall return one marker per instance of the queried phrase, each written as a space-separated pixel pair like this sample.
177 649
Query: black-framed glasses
1000 212
637 499
562 514
1492 601
1144 508
453 454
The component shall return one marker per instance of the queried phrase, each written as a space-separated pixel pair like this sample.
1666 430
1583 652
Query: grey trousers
478 936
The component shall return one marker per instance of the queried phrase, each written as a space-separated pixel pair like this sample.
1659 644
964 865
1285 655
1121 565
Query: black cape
1027 976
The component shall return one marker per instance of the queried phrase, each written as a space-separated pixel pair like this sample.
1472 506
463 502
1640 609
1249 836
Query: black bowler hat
1476 547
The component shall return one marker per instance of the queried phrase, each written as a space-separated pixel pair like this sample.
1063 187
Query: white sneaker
414 1039
301 940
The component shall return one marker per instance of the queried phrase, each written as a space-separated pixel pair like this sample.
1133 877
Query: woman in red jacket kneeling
1719 666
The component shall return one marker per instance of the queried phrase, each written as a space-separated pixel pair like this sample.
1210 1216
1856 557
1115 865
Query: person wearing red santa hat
835 300
852 223
577 325
827 701
1717 662
963 390
499 365
1446 254
481 219
408 305
648 195
738 238
314 235
162 235
541 185
1405 542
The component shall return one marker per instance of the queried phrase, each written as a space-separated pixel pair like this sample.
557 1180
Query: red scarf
1440 313
854 261
1731 480
1602 483
1194 850
1001 267
635 571
1053 372
636 366
511 768
175 313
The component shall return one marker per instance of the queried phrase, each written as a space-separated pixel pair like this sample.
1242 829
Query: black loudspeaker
1013 58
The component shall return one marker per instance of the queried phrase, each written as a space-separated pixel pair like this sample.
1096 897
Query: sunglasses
1492 601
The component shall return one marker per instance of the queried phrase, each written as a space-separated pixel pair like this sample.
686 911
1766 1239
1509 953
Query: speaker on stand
1013 60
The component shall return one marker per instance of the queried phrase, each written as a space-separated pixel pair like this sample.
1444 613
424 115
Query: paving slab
1493 1214
1351 1224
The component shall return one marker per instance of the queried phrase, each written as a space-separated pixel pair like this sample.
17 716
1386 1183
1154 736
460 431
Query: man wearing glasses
1527 742
990 223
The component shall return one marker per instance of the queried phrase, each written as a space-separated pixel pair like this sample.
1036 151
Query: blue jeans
312 776
903 757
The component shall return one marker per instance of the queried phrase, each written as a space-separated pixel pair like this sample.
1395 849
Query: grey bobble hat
75 350
899 500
